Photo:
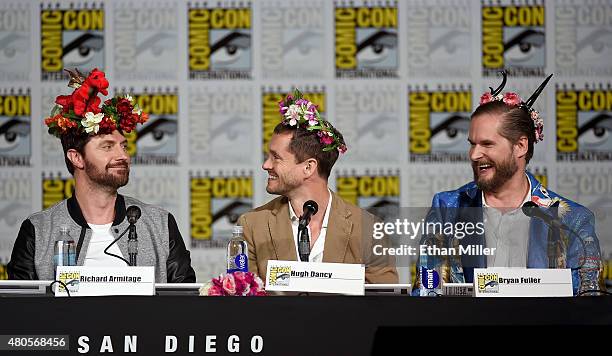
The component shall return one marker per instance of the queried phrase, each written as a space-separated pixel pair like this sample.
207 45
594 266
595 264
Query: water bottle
65 249
237 252
589 273
431 275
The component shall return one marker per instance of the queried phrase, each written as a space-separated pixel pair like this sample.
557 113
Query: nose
475 153
122 154
267 165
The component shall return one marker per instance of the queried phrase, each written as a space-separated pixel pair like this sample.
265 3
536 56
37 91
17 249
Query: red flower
97 81
127 125
485 98
124 106
326 140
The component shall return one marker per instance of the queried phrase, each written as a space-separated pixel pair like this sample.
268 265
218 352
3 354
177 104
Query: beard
504 170
281 186
106 178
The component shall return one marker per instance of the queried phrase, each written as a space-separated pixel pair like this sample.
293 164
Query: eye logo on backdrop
584 122
221 125
439 38
513 38
583 38
155 142
292 39
55 188
271 117
15 127
71 36
15 51
369 118
145 40
220 40
377 192
366 39
217 201
439 122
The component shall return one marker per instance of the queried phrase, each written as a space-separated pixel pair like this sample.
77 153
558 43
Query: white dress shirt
316 253
508 233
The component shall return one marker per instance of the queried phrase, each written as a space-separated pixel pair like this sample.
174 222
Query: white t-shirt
101 237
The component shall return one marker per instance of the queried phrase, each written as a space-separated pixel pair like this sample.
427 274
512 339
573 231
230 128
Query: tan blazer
268 232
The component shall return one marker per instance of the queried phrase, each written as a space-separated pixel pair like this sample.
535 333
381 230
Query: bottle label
241 263
430 279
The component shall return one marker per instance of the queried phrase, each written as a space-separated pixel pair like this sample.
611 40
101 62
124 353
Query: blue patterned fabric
465 205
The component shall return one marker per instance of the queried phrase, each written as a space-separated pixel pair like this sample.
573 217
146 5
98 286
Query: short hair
516 122
76 142
305 144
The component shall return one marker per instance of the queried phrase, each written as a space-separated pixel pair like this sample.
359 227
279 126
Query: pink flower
229 284
215 291
342 149
326 140
512 99
485 98
241 284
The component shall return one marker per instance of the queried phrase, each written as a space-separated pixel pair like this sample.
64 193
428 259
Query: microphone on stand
310 208
133 214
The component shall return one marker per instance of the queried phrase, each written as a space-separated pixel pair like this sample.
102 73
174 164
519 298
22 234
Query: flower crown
513 99
81 113
299 112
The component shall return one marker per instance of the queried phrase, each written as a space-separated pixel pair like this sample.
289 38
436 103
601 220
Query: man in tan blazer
299 164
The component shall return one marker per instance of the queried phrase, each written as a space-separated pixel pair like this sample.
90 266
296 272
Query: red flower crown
80 112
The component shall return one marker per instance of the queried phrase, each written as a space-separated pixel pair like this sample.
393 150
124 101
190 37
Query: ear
521 147
76 158
311 167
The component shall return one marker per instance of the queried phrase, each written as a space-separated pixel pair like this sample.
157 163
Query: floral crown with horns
513 99
299 112
80 112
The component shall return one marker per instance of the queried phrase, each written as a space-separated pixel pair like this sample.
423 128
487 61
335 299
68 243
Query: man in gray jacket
95 151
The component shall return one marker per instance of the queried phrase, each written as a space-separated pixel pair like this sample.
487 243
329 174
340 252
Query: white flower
204 289
91 122
129 97
136 111
292 122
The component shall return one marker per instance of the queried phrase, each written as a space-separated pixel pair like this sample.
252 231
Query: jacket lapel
281 233
339 229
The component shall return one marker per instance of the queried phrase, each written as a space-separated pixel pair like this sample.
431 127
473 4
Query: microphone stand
132 244
303 243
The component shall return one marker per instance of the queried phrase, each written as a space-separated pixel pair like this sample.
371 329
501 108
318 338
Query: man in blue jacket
502 134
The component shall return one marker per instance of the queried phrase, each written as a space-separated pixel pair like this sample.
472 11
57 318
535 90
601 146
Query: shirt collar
527 196
295 218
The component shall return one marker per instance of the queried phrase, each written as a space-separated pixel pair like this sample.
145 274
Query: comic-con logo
366 40
155 142
439 122
279 275
583 38
70 280
16 49
513 39
145 40
15 128
488 282
216 204
584 123
378 193
56 188
71 38
219 41
271 117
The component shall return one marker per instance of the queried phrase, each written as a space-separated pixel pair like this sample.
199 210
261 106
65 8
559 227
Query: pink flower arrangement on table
239 284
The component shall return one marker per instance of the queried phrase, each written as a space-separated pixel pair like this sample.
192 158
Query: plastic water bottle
589 273
431 276
237 252
65 249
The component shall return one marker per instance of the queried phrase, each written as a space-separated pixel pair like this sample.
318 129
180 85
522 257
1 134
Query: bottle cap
238 230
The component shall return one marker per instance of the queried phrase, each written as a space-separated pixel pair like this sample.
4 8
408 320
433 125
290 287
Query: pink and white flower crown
513 99
299 112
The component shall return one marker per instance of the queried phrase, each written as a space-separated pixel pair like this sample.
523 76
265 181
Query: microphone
133 214
310 208
532 210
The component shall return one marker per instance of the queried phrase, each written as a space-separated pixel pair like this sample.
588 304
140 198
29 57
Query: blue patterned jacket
465 205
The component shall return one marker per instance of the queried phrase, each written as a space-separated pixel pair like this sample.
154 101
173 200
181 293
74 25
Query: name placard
522 282
97 281
294 276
